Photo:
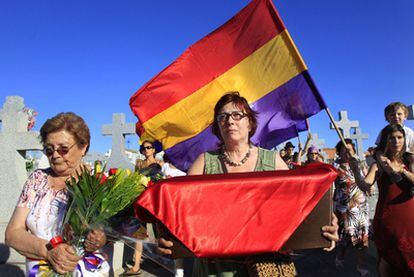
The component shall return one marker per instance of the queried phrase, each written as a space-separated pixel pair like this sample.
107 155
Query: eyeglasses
147 147
237 116
313 153
63 150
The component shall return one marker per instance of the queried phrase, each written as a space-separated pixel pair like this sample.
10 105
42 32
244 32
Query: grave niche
15 140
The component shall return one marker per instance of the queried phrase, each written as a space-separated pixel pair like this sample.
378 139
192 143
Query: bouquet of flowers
94 199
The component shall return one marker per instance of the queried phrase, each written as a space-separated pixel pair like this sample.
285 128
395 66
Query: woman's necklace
226 158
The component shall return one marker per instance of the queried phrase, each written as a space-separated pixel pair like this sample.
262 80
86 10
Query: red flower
103 178
112 171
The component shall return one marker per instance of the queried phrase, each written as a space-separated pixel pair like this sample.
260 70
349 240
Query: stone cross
94 156
318 143
359 136
344 124
118 130
410 112
15 140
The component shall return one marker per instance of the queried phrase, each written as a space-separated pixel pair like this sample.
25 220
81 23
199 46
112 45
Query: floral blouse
47 206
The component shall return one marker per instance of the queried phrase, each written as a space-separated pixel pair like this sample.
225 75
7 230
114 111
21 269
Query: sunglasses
63 150
313 153
147 147
237 116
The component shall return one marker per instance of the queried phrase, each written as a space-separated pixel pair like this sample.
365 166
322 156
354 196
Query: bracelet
54 242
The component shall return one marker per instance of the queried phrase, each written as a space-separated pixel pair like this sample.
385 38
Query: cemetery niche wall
15 140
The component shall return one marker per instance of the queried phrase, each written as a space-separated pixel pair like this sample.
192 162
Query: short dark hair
339 145
390 108
241 103
70 122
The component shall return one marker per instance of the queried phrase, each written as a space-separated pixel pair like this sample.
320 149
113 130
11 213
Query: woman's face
63 153
343 151
313 156
148 149
395 142
234 124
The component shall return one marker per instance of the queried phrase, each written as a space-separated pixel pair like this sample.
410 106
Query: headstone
320 144
317 142
344 124
15 140
90 158
358 136
118 159
118 130
410 112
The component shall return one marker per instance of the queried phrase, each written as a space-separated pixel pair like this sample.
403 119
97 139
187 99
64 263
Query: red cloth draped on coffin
236 214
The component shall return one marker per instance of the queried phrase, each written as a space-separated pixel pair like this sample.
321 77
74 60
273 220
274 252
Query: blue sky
89 57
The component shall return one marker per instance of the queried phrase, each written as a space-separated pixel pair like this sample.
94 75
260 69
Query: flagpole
335 126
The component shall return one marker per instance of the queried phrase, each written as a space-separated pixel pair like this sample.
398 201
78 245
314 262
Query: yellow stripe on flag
263 71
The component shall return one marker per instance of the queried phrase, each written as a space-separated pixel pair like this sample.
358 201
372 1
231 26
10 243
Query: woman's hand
331 233
164 246
95 240
63 258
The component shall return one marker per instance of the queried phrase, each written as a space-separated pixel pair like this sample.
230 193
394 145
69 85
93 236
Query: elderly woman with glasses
38 216
235 123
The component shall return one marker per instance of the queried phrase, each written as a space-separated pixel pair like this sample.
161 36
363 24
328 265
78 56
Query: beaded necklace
226 158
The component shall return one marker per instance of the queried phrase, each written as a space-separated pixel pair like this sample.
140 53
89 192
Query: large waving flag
252 53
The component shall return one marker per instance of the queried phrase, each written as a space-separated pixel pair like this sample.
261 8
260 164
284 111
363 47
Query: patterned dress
47 209
351 208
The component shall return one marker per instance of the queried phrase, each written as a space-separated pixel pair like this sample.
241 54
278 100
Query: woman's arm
409 174
280 163
18 238
62 258
364 182
138 165
197 168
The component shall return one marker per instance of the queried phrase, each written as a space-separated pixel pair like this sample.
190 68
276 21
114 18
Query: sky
91 56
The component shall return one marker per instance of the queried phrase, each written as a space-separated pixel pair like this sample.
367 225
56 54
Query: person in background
292 158
392 226
155 169
351 208
234 124
397 113
313 156
38 216
282 153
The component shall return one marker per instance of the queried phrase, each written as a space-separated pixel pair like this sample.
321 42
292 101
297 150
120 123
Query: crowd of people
39 213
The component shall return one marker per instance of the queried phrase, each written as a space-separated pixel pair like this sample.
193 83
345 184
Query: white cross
118 130
344 124
359 136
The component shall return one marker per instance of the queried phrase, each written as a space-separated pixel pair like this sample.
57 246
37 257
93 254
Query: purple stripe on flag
282 115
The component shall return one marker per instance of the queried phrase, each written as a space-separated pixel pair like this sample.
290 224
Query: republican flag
252 53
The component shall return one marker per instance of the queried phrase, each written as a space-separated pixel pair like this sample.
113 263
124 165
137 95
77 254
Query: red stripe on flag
208 58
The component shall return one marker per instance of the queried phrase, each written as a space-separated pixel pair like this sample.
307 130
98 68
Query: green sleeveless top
213 165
